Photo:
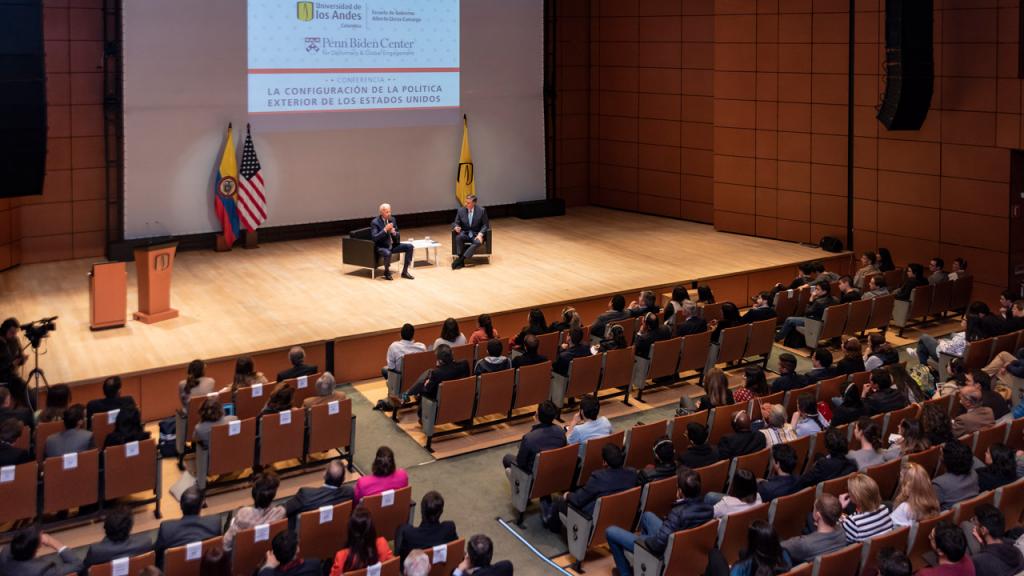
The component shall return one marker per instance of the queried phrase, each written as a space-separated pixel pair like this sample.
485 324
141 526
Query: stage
297 292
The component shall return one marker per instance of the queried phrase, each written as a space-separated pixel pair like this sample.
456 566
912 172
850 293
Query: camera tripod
35 376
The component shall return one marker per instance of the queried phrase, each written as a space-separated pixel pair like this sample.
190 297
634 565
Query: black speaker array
909 65
22 98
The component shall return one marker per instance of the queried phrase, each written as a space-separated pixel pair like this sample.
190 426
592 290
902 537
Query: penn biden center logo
304 11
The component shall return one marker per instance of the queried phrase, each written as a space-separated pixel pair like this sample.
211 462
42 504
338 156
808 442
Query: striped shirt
865 525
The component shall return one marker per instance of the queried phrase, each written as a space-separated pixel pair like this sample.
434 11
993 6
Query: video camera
36 331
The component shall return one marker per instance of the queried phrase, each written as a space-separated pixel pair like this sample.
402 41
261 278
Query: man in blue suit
471 225
384 231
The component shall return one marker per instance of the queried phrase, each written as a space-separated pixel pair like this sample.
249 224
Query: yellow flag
465 181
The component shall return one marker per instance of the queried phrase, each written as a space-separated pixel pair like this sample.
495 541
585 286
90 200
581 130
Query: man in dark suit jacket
609 480
651 332
531 343
788 378
384 232
700 453
545 435
447 369
119 541
479 550
10 455
332 492
577 349
880 395
834 465
284 557
782 482
190 528
297 356
470 226
743 440
112 399
431 531
19 557
691 323
9 410
762 309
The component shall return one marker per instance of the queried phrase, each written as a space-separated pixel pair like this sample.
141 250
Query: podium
108 295
154 265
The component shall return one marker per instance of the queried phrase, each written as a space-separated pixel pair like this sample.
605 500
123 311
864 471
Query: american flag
252 200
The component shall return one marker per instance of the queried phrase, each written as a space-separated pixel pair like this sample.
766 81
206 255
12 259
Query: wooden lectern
108 295
153 265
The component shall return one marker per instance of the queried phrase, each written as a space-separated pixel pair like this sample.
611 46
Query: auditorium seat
584 375
887 476
732 532
788 514
1004 343
389 510
892 423
805 569
388 568
658 496
132 468
761 340
785 305
835 486
231 450
858 317
1010 499
987 437
860 378
494 393
101 424
696 348
629 328
454 403
678 559
721 420
322 534
358 249
332 427
894 278
818 448
533 385
592 454
843 562
963 510
831 325
551 471
19 493
250 400
710 311
548 345
896 538
413 365
830 388
583 532
251 545
281 436
904 312
185 424
881 312
919 544
802 447
678 429
126 565
43 431
961 296
71 481
617 372
454 553
713 477
755 462
663 363
303 386
1015 435
640 443
185 560
732 342
792 402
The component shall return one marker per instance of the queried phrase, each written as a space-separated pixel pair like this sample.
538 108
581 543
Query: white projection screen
187 73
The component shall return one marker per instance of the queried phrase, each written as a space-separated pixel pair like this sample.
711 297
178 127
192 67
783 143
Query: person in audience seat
690 322
700 453
9 409
893 562
885 261
788 378
959 269
118 541
867 269
761 310
914 277
446 369
58 398
246 374
544 435
529 356
19 558
950 546
495 361
297 357
868 434
399 348
479 551
822 362
937 426
847 291
616 340
485 330
826 538
262 511
834 464
995 556
431 531
743 440
451 335
850 406
647 303
755 384
195 384
616 312
936 272
764 554
587 423
10 455
870 517
569 319
782 481
611 479
880 396
909 440
285 557
417 563
821 299
730 319
74 437
385 476
1000 467
960 481
879 353
576 350
364 547
852 360
688 511
215 562
777 428
680 295
915 497
716 386
333 491
929 347
536 325
976 416
326 392
876 288
981 381
211 413
127 428
664 462
651 331
280 400
742 494
807 420
191 527
112 399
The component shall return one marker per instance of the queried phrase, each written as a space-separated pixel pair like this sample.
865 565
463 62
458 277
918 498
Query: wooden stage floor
287 292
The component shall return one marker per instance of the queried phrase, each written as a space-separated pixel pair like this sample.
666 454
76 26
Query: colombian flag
226 191
465 181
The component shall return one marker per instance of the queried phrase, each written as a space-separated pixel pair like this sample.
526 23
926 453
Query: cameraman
12 359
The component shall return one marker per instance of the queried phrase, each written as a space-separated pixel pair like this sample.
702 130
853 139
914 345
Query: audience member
664 462
127 428
850 406
246 374
280 401
262 511
928 347
730 318
788 378
852 360
885 262
959 269
936 272
996 556
616 312
764 554
1000 467
880 396
868 434
847 291
870 517
333 491
975 417
761 310
807 420
74 437
910 439
834 464
825 538
11 455
587 423
820 300
742 494
191 527
777 428
297 358
822 362
936 425
914 278
479 552
363 547
195 384
646 304
285 557
536 324
879 353
893 562
688 321
118 541
781 482
447 368
960 481
326 392
991 399
743 440
384 476
915 499
822 274
700 453
616 340
431 531
58 398
544 435
20 558
450 336
530 356
950 546
567 321
576 350
876 287
867 268
755 384
680 296
651 331
417 563
211 413
613 478
112 399
399 348
716 386
10 409
495 361
485 330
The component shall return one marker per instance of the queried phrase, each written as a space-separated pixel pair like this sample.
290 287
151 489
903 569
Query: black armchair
484 249
358 249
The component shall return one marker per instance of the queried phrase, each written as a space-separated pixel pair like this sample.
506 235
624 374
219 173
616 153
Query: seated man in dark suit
189 528
19 557
447 369
650 332
544 435
822 362
613 478
700 453
782 481
74 437
743 440
648 303
832 465
297 356
788 378
9 410
384 232
529 356
332 492
10 455
118 541
762 309
690 323
112 399
577 350
614 314
431 531
285 557
470 226
477 562
880 395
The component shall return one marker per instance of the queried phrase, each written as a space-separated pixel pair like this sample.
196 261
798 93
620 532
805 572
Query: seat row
932 300
978 353
850 318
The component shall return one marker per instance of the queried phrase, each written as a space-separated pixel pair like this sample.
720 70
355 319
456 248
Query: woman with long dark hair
764 555
730 318
885 262
127 428
485 331
196 383
915 277
868 434
363 547
450 334
755 384
536 324
246 374
1000 467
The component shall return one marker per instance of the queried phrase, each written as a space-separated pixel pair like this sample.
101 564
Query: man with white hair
297 358
325 392
384 231
417 563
